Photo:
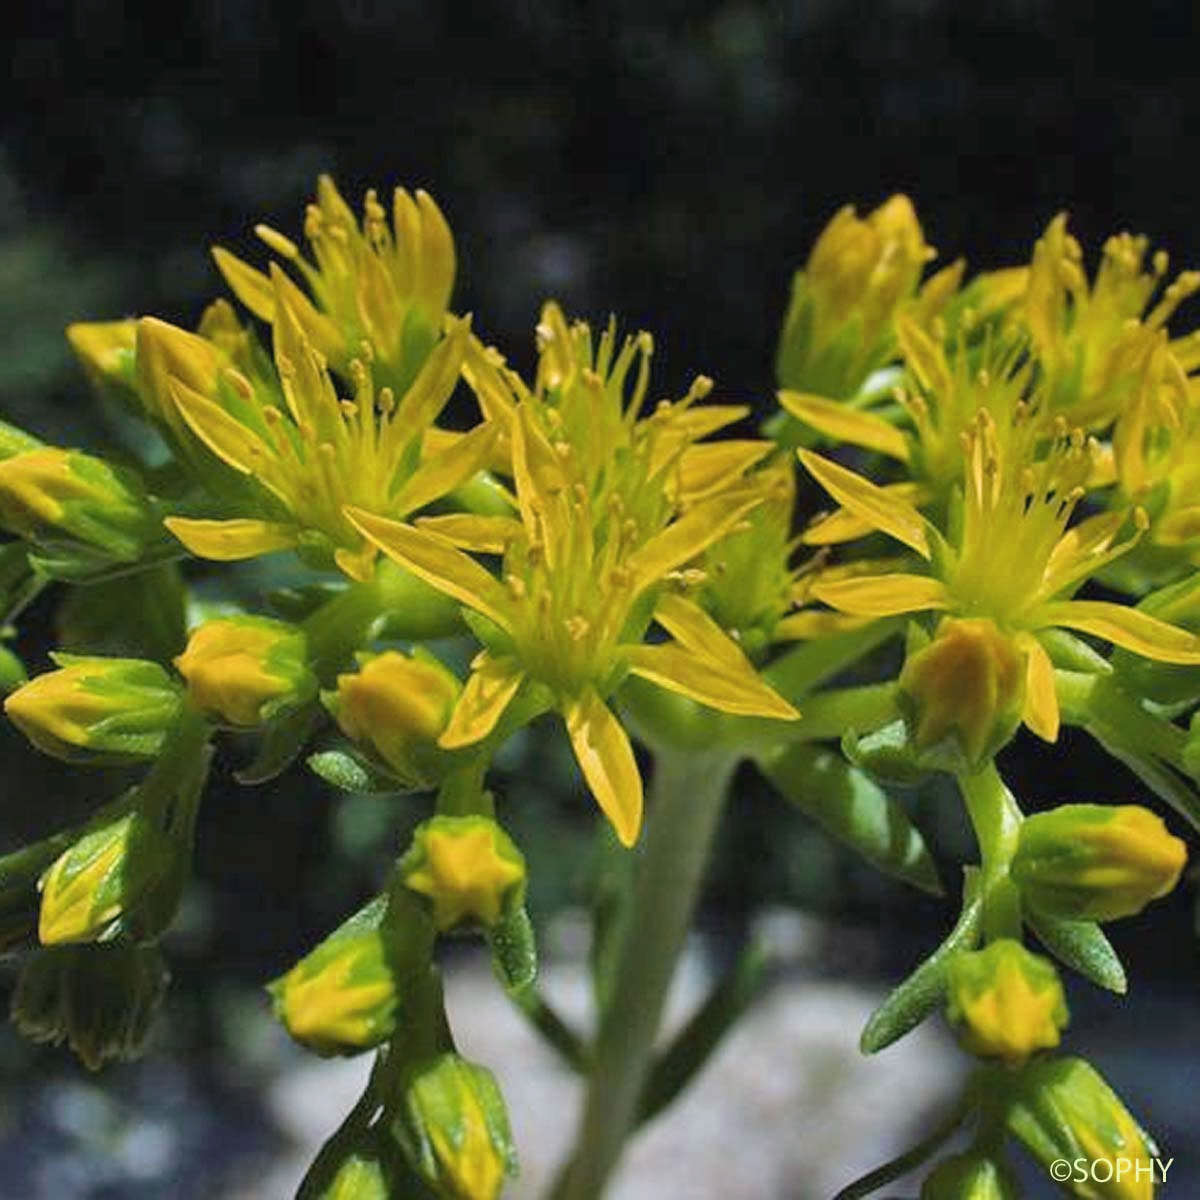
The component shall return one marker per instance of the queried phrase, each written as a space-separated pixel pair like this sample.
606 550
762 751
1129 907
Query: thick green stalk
997 822
687 796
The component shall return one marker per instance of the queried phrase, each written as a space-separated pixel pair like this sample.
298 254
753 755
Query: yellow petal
1127 627
714 465
484 535
692 627
883 510
716 684
539 478
606 759
436 267
225 436
692 424
1083 549
309 391
483 369
229 541
492 684
882 595
437 562
694 532
1041 700
845 526
844 424
815 623
925 358
249 285
444 472
427 396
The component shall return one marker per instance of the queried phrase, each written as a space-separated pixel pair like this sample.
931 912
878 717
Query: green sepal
693 1045
852 808
924 990
1082 946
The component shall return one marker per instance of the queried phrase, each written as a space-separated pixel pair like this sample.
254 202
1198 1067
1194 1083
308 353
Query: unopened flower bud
397 706
860 270
101 1000
969 684
1096 862
1063 1109
166 353
106 350
468 867
125 872
456 1129
242 671
971 1176
97 709
1006 1002
341 998
76 506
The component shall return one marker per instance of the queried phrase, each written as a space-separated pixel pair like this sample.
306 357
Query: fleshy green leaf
1082 946
925 989
855 810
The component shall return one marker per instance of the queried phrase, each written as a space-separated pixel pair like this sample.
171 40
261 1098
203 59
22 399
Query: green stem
997 823
830 714
903 1163
687 797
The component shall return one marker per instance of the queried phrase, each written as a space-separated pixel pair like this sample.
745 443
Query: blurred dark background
671 163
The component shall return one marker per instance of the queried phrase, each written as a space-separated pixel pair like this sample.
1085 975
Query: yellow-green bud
242 671
97 709
1061 1108
860 271
15 441
359 1176
968 683
1006 1002
125 872
106 350
469 869
100 1000
73 504
165 352
341 998
397 706
971 1176
1096 862
456 1129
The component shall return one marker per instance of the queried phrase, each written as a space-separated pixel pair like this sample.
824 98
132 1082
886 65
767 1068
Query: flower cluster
993 448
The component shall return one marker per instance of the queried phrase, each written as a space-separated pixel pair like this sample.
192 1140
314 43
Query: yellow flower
579 583
1011 557
467 866
243 670
1092 341
1007 1002
838 325
317 453
382 286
